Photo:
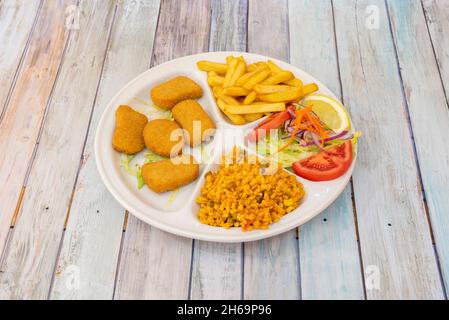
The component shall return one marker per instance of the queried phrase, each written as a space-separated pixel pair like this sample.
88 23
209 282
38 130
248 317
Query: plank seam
354 207
108 43
125 219
119 259
22 58
189 287
415 153
42 123
82 152
434 53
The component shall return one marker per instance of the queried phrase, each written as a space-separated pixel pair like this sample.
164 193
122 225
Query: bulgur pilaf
240 195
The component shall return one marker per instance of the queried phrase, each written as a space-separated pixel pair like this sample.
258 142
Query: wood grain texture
163 258
37 234
429 115
92 239
217 267
328 250
393 229
437 13
271 268
17 19
19 128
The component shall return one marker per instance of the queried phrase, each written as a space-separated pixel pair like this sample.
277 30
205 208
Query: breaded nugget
170 174
163 137
129 126
194 120
167 94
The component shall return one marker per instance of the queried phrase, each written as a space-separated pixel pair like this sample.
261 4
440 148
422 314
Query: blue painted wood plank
328 250
395 241
429 115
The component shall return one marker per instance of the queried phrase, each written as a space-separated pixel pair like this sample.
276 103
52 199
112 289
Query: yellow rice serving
243 194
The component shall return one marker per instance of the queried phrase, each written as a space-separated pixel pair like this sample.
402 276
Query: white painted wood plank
328 250
429 115
17 18
156 264
271 268
92 239
394 234
19 128
33 249
437 13
217 267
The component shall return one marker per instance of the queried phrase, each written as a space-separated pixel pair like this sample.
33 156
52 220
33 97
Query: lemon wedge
330 111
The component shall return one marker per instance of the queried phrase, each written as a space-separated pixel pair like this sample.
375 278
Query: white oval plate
177 214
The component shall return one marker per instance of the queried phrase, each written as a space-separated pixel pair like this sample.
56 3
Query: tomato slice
326 165
273 122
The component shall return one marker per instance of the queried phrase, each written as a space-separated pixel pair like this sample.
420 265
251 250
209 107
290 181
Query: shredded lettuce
136 169
295 151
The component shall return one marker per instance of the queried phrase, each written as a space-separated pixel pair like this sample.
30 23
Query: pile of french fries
247 92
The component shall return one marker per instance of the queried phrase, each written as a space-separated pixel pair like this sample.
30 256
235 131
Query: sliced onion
340 135
291 113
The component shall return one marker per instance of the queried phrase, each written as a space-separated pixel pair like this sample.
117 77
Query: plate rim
200 236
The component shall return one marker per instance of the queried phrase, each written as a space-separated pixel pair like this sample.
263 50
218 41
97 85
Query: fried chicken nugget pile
129 125
167 94
166 175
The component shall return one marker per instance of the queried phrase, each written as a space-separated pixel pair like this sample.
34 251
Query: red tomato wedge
272 122
325 165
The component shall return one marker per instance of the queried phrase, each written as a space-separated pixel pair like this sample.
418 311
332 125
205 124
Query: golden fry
273 67
250 98
207 66
279 77
232 66
235 118
309 88
290 95
217 91
239 71
235 91
251 67
256 79
228 99
267 88
255 108
253 116
294 83
213 79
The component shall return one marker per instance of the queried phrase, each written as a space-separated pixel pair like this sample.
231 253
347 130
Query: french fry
250 98
228 99
236 91
251 67
255 108
256 79
232 66
279 77
213 79
220 68
309 88
291 95
273 67
267 88
294 83
217 91
253 116
235 118
229 59
239 71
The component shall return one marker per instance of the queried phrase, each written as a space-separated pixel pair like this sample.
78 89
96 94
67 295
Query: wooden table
63 236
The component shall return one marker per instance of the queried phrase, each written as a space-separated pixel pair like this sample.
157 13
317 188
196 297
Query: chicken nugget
128 131
164 137
166 175
167 94
194 120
